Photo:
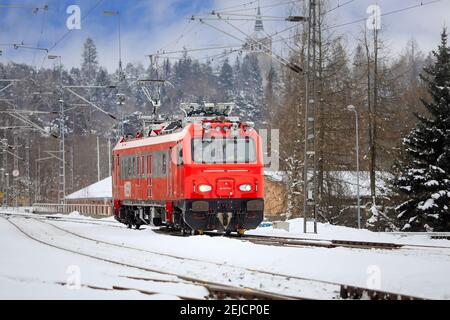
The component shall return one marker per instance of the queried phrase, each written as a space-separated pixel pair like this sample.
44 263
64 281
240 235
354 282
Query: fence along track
52 217
345 291
93 209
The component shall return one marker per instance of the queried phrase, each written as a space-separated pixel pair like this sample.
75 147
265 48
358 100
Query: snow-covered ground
29 269
330 232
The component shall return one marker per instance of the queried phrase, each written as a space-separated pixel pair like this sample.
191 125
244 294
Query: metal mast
310 189
27 168
4 172
62 152
16 166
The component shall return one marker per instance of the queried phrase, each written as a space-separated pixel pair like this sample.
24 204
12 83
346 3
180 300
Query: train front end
224 181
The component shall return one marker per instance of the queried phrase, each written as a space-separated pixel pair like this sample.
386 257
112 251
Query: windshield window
221 150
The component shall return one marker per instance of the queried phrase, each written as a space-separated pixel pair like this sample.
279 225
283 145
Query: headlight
204 188
245 187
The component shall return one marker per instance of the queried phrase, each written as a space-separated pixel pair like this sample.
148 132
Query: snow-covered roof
348 180
98 190
276 176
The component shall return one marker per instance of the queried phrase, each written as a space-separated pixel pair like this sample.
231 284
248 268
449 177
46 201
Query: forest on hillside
385 86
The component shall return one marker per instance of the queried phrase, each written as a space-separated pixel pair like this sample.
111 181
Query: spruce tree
250 100
226 80
89 64
424 173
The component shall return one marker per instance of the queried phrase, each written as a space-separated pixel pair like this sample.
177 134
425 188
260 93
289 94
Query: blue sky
151 25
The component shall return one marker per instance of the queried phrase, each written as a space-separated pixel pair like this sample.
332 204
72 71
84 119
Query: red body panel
175 181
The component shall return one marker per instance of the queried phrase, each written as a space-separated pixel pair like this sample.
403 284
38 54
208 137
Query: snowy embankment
422 273
330 232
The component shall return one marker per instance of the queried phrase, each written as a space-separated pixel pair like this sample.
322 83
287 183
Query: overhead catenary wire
239 5
243 19
83 18
41 34
421 4
193 50
266 51
326 12
34 8
224 11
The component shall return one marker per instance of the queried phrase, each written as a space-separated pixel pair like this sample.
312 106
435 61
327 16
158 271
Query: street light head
295 19
53 57
108 13
351 108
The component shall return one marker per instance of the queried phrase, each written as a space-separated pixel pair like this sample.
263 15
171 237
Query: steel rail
329 242
346 291
215 289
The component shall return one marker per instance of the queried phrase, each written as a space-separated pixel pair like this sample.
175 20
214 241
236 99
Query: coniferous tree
89 65
424 176
226 80
250 99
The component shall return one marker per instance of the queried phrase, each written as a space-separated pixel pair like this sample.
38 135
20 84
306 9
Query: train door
117 169
143 177
174 165
179 178
169 175
138 176
149 177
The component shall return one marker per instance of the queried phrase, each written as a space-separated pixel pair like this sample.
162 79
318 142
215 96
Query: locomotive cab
200 174
224 180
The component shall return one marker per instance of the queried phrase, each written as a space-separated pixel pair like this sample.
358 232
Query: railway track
331 244
218 290
262 240
308 242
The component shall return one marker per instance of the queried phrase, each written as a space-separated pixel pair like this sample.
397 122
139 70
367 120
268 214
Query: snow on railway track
257 239
58 238
324 243
237 282
198 272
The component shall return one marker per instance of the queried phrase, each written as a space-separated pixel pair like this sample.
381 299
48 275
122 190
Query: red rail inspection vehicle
202 173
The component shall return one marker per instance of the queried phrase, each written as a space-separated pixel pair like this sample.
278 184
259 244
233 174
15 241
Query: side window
124 168
164 164
138 166
180 161
149 166
120 168
129 167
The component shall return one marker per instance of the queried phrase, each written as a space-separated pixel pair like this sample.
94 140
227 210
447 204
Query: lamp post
120 96
62 147
109 13
352 108
2 189
53 57
6 200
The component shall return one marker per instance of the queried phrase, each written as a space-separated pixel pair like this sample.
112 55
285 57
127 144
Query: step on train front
198 174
